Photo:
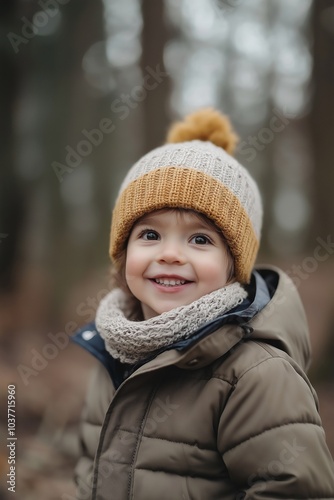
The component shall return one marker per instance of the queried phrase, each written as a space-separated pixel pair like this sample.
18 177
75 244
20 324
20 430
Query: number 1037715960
11 410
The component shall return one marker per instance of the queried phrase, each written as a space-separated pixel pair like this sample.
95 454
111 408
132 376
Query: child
201 392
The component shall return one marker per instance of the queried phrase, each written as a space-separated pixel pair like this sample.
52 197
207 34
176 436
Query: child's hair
194 171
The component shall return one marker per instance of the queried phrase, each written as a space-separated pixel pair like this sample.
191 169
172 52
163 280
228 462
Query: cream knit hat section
198 174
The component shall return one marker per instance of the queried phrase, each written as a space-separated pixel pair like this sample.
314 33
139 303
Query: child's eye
149 235
200 239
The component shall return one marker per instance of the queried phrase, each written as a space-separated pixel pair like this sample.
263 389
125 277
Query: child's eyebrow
201 226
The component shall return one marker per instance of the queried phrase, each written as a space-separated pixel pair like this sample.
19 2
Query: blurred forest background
86 88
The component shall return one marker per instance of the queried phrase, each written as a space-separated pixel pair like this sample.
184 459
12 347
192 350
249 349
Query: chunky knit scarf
132 341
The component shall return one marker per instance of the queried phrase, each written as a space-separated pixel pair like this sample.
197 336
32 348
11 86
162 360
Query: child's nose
171 253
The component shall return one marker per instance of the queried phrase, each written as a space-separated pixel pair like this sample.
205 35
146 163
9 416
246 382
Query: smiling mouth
169 282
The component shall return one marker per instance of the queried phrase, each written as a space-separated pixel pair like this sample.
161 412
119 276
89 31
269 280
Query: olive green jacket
233 416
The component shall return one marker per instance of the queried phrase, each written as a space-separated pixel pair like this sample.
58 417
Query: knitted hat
194 170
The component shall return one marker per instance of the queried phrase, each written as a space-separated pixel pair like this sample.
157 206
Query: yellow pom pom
206 124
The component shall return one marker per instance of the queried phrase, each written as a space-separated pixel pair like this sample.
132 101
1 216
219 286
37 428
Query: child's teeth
169 282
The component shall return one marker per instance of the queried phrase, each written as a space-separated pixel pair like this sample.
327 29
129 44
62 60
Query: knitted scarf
132 341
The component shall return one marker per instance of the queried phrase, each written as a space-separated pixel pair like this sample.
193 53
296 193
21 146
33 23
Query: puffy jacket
229 414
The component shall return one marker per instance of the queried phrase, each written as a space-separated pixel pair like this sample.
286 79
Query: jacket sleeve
271 437
99 394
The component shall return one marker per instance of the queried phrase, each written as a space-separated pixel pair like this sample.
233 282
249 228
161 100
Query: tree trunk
154 38
322 119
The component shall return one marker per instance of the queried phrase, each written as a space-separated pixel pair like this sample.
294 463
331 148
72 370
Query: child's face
174 258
